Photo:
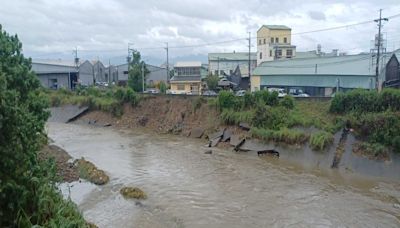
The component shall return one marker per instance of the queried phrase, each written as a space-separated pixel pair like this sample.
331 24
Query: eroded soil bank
188 188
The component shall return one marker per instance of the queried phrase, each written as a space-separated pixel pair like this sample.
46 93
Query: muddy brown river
188 188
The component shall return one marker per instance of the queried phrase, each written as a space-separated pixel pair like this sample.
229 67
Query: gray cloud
103 28
317 15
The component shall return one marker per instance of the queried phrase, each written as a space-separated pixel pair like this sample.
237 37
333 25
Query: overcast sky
52 28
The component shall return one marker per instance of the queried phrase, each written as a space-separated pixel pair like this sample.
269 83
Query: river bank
187 188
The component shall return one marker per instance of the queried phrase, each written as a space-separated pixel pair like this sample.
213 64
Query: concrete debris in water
244 126
217 134
227 135
197 133
133 193
214 141
265 152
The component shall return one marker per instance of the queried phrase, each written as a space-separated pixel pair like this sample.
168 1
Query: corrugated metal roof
280 27
186 79
233 56
58 62
188 64
344 81
338 65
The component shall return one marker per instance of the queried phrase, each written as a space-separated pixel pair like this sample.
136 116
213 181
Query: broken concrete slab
227 135
215 141
66 113
244 126
238 146
255 145
107 125
208 152
235 139
197 133
216 134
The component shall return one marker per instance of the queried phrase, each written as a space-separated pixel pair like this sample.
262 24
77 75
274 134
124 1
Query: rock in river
133 193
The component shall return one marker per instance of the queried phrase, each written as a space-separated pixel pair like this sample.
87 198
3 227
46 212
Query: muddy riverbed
187 188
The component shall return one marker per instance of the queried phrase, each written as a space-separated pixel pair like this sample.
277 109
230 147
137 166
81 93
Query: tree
163 87
135 80
212 82
24 181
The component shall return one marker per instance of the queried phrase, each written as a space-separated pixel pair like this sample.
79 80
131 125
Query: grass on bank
108 100
321 140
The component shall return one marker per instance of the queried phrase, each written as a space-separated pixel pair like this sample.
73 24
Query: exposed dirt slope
163 114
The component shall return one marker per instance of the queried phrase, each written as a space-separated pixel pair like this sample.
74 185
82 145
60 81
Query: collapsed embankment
162 114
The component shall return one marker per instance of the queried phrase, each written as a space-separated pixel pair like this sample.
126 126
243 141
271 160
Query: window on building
270 53
180 87
272 40
279 53
264 41
259 42
260 55
216 72
277 40
289 53
285 40
126 72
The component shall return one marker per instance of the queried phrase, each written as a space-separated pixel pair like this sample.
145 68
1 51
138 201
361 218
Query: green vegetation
366 101
28 192
374 116
135 78
163 87
371 150
133 193
229 116
212 82
272 118
321 140
90 172
110 100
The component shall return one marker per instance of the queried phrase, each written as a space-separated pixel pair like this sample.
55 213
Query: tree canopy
135 80
27 196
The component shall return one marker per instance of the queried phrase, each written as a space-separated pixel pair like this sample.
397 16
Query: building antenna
379 21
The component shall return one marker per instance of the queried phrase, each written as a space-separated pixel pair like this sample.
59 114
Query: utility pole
218 66
143 76
109 72
379 21
249 55
76 61
128 58
167 62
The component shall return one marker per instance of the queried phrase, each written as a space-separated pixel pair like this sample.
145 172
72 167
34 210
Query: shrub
132 97
119 94
320 140
266 97
226 100
377 127
197 102
396 144
163 87
366 101
287 102
248 100
229 116
270 117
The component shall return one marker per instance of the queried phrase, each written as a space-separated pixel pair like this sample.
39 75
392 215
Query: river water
188 188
